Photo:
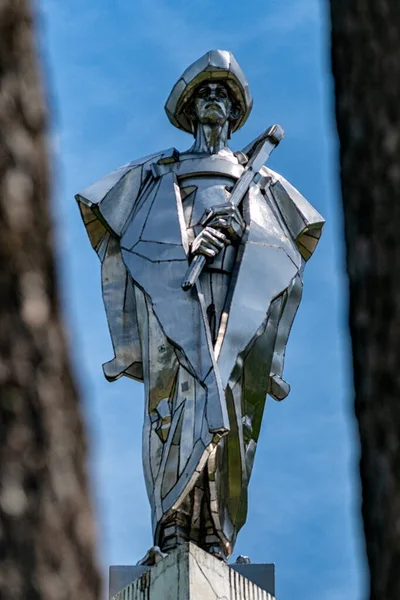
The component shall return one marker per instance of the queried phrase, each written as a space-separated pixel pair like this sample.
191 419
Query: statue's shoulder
287 193
278 178
133 171
106 204
302 219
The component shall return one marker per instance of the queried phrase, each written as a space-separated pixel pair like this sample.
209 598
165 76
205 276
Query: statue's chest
201 193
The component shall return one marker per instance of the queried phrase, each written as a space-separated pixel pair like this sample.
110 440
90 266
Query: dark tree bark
46 529
366 68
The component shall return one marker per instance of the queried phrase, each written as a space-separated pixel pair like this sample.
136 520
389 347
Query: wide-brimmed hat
213 66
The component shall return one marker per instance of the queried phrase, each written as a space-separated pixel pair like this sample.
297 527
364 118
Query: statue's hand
226 217
209 242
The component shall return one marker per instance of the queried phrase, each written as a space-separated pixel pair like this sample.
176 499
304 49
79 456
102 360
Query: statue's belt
198 166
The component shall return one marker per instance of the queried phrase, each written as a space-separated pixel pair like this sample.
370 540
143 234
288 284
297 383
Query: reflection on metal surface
207 356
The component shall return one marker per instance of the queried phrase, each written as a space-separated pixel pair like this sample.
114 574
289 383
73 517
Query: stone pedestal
189 573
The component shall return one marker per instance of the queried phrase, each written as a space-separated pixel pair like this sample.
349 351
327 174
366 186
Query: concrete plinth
188 573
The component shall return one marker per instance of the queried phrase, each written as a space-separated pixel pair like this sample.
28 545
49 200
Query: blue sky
110 65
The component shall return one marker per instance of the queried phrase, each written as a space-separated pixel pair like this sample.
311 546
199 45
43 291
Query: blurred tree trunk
46 529
366 68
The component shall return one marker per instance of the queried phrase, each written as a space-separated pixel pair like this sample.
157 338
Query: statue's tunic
209 356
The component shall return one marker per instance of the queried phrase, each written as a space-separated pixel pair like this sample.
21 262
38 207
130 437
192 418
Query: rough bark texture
366 68
46 530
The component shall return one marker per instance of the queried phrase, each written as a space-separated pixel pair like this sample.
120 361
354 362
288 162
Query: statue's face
212 104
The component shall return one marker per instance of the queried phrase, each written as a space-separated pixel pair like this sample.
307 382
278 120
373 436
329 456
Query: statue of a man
207 356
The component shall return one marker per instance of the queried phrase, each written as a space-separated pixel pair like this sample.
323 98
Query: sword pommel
276 133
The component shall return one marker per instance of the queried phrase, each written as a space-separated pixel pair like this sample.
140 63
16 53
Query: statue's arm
106 207
278 388
304 224
120 305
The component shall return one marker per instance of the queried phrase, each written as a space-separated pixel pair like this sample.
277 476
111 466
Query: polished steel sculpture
207 337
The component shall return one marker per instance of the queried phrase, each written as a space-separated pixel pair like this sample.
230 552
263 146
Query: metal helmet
213 66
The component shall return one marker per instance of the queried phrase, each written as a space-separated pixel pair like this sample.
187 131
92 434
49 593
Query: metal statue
202 258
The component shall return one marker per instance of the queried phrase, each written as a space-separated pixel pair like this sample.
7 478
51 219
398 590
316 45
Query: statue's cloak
143 213
134 219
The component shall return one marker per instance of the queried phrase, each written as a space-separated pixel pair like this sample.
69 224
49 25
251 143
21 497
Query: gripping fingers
232 226
209 242
216 237
226 217
210 253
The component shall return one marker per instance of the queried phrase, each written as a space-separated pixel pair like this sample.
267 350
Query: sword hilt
193 272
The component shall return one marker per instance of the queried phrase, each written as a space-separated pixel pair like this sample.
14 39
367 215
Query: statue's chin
213 119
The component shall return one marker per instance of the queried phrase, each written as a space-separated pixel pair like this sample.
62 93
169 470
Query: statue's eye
203 93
